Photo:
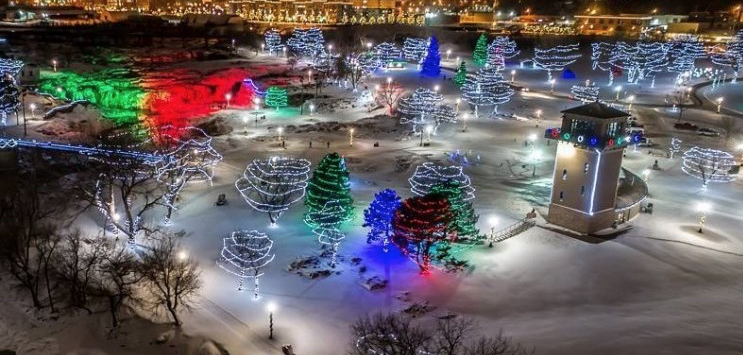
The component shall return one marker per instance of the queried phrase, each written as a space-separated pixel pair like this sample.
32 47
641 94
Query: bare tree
394 334
75 266
117 274
25 227
173 278
388 94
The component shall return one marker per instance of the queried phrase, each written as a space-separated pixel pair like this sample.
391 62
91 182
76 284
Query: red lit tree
419 223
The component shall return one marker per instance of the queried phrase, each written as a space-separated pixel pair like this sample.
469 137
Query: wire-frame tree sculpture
418 107
709 165
245 254
556 58
273 185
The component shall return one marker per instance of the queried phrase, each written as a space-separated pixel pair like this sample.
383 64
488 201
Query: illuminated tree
464 219
461 75
325 223
431 65
378 217
641 61
417 108
386 53
272 39
602 57
480 55
8 98
188 156
419 223
428 175
273 185
503 46
245 254
308 43
276 97
414 49
709 165
486 88
585 93
388 95
556 58
329 182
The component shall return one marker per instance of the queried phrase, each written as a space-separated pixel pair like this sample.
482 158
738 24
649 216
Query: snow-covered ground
659 288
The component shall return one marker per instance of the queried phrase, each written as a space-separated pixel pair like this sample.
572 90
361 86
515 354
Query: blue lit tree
432 64
379 215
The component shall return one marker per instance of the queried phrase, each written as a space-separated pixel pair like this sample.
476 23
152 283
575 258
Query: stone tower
590 144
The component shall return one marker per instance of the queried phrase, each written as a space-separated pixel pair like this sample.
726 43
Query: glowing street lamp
456 60
281 133
436 88
457 102
263 47
182 255
54 64
552 86
618 90
330 50
350 137
646 175
539 116
270 308
492 221
429 130
448 53
719 103
630 99
312 109
703 208
32 106
464 121
228 97
513 76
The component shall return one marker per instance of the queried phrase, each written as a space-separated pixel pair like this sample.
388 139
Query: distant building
590 145
626 24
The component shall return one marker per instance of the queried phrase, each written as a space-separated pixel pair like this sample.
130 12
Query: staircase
513 230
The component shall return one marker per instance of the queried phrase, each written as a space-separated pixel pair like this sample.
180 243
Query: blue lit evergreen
379 216
432 64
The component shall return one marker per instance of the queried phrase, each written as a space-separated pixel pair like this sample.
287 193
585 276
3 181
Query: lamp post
457 102
54 64
457 60
719 103
618 90
513 76
630 99
429 130
182 255
436 88
284 49
270 308
281 132
32 106
552 86
350 137
493 220
448 53
464 121
646 175
228 97
256 106
539 116
263 47
702 208
330 50
312 109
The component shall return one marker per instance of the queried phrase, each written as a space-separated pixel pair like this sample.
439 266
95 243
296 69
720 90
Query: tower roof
596 109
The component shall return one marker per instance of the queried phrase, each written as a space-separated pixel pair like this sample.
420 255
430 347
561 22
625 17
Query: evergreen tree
465 218
276 97
379 216
461 76
329 183
432 64
419 224
480 55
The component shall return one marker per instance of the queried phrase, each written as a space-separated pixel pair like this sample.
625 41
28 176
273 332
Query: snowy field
658 288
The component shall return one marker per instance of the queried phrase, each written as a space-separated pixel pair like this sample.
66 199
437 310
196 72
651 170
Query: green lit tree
329 183
461 76
465 219
480 55
276 97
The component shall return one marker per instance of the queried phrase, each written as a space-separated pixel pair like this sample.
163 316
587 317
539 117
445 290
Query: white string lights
414 49
386 53
585 93
273 185
245 254
486 88
556 58
418 107
325 223
272 39
709 165
307 43
428 175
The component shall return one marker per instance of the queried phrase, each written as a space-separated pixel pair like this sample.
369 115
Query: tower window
583 190
564 174
585 168
562 195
